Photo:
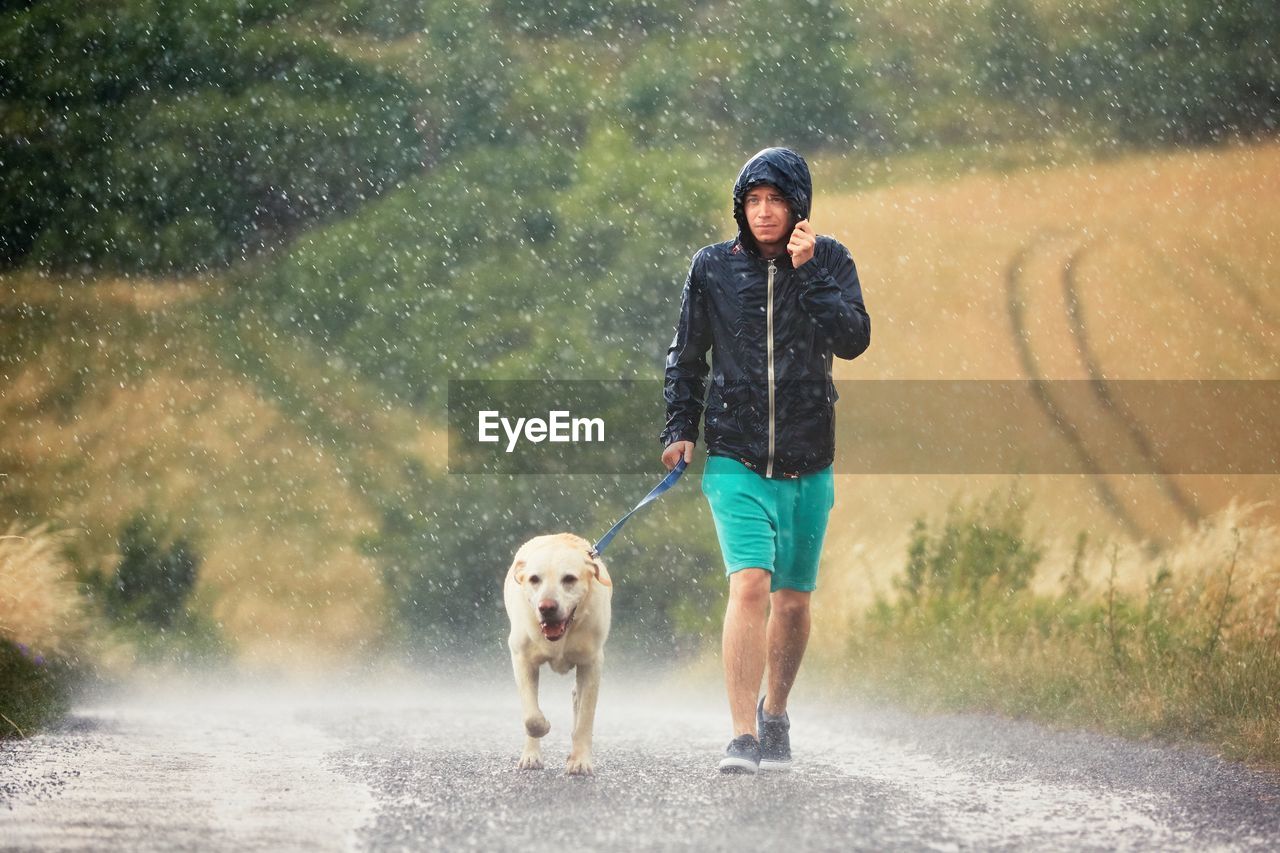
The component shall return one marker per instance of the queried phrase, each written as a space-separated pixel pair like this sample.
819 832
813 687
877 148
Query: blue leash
667 482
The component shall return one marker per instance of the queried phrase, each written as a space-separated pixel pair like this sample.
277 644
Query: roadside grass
1191 655
41 624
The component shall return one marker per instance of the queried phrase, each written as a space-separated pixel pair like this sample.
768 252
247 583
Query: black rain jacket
772 331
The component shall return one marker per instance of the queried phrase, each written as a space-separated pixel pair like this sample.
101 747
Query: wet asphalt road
428 763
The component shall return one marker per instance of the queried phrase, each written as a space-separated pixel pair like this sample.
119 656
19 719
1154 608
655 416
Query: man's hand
800 246
674 451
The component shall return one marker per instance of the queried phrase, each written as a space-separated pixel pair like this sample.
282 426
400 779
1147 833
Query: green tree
1178 70
1016 58
161 135
794 82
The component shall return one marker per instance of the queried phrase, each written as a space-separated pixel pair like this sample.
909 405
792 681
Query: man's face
768 215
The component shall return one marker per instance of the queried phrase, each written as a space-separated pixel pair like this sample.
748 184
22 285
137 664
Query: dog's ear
601 572
517 570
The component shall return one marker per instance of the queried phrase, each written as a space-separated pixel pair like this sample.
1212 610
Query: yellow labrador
558 600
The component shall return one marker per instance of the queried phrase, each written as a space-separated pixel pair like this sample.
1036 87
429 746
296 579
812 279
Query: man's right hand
674 451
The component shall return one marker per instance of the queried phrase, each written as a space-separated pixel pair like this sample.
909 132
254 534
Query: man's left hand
800 246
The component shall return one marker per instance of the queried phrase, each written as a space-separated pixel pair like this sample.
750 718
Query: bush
148 598
153 581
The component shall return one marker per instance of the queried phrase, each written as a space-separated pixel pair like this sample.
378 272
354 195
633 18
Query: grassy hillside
120 396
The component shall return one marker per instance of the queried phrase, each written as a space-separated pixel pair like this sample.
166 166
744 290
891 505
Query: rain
264 267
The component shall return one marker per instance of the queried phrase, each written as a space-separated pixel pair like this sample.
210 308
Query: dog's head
555 574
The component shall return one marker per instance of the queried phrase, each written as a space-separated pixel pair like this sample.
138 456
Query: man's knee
790 604
749 588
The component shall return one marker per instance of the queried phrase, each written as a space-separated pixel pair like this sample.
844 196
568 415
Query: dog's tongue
554 630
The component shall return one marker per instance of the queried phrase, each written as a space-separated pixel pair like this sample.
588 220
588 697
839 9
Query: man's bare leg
787 636
744 645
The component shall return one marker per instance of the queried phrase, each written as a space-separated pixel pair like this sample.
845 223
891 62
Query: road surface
427 763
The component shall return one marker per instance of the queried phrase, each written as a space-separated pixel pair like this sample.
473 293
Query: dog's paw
579 765
530 761
537 726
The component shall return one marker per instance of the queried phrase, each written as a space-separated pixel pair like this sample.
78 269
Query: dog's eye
569 580
535 580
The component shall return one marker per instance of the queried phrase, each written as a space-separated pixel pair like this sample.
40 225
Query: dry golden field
1151 266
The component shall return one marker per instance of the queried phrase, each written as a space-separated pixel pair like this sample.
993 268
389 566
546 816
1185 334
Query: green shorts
777 525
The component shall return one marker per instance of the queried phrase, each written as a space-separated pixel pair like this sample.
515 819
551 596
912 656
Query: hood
782 168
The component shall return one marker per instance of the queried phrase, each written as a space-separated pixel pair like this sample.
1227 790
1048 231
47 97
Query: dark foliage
155 578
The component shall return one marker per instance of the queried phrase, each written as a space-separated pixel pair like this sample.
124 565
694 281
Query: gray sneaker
742 755
775 740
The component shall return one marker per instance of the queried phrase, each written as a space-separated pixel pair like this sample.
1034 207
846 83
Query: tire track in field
1262 346
1184 503
1040 388
1240 285
1237 282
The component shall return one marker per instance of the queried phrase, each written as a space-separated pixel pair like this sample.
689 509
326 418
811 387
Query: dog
558 596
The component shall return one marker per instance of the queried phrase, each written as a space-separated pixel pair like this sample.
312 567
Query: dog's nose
547 607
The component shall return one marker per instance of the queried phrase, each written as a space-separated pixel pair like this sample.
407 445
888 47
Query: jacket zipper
773 268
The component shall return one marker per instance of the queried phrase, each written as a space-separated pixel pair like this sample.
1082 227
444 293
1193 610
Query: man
773 306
